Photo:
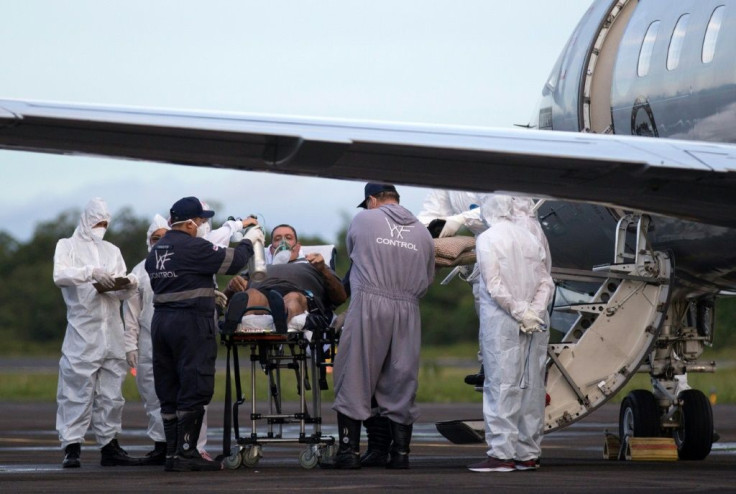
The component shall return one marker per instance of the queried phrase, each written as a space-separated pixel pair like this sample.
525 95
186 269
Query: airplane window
711 34
678 37
647 46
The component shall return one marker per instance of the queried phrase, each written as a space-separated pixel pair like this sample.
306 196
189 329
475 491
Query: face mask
282 253
203 229
99 232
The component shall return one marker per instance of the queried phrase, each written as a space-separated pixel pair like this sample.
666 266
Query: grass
440 380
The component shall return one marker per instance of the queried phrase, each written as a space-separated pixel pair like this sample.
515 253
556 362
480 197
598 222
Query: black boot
401 437
171 426
113 455
71 458
476 380
378 430
157 456
187 457
348 454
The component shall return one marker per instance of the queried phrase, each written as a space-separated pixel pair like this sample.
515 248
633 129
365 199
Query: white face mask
282 257
99 232
203 229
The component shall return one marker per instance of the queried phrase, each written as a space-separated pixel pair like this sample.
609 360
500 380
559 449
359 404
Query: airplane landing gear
694 438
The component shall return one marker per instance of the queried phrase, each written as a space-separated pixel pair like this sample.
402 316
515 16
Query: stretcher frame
272 352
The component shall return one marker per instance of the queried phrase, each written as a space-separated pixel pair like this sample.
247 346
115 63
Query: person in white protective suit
92 365
137 315
515 289
458 209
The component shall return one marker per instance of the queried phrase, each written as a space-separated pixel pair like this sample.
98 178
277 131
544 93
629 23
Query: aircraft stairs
627 326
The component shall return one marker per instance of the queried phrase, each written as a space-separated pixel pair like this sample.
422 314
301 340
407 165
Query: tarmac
572 460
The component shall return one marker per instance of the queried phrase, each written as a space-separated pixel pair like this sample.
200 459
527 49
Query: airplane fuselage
652 68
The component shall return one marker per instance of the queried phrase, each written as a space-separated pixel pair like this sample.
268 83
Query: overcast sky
457 62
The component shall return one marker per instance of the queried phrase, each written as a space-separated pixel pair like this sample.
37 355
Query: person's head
496 207
378 194
157 229
94 220
188 215
284 237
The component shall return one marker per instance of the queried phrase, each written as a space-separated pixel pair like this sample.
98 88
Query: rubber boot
171 426
187 458
348 454
71 457
401 437
157 456
378 430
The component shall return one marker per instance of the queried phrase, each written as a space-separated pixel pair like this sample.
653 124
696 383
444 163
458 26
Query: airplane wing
687 179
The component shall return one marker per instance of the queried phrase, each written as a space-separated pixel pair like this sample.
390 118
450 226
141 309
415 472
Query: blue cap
373 189
188 208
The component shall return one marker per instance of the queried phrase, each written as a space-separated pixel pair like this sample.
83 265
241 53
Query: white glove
132 358
220 299
452 225
531 322
255 234
103 278
133 282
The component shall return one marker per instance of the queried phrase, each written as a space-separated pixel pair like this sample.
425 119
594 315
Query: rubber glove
452 225
220 299
133 282
255 234
531 322
103 278
132 358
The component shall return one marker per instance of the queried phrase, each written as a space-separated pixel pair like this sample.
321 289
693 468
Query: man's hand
237 284
249 221
103 278
317 261
220 299
531 322
132 358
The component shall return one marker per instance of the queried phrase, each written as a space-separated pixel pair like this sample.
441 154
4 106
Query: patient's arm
333 286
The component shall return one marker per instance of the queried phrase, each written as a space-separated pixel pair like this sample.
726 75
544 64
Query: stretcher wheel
308 459
235 460
328 452
252 455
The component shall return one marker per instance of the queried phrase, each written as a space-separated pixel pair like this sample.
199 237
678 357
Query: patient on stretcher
291 292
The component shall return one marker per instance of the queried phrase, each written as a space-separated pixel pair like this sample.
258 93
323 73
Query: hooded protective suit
92 365
516 287
392 258
137 314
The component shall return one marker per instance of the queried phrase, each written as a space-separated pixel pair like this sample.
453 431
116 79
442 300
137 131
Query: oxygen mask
282 253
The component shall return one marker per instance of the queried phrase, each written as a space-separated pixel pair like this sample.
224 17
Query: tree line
33 313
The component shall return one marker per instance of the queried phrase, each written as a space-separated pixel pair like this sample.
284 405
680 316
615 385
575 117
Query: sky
470 62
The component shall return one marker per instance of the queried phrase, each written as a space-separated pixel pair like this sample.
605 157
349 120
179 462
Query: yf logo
161 260
397 231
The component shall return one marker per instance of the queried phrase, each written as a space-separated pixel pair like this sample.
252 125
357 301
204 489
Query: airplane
634 131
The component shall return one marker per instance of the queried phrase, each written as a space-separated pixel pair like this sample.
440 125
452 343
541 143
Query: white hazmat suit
137 314
515 289
92 366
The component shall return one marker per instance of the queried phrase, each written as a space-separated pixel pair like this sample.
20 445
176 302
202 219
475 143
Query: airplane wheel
639 416
695 438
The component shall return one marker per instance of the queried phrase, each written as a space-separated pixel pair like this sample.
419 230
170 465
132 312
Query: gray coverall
392 256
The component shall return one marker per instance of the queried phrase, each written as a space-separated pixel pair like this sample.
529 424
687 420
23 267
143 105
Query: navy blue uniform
183 328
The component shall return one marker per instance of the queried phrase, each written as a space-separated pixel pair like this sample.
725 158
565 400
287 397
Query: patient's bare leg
295 303
256 299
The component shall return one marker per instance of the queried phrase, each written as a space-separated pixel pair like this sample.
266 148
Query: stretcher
272 349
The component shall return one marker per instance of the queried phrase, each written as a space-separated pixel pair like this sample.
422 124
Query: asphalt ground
572 461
